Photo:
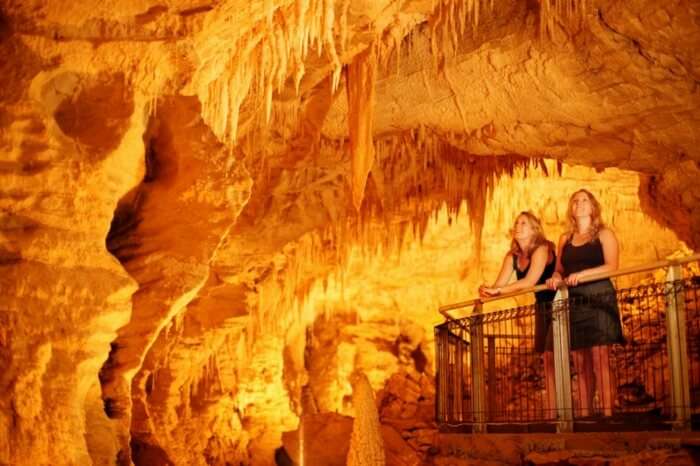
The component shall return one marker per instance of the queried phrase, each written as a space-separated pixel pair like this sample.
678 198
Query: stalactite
260 60
425 172
360 89
570 13
415 175
448 22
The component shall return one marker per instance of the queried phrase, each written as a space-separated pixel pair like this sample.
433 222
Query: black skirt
594 316
543 320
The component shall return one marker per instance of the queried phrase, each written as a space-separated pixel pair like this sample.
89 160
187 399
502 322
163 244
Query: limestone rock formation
366 443
213 213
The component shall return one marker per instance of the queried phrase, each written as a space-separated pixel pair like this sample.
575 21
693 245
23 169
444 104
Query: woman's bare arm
503 277
538 261
556 278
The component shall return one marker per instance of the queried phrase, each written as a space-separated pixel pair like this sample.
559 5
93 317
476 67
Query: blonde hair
596 220
538 240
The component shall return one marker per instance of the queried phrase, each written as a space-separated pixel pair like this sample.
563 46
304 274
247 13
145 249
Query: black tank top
540 296
586 256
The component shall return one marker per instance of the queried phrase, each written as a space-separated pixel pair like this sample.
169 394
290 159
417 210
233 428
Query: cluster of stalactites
570 13
450 21
415 173
206 380
249 67
258 62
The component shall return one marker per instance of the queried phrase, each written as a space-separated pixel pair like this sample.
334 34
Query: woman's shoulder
606 234
543 247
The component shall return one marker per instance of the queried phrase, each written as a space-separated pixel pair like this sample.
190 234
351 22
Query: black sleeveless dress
543 305
594 317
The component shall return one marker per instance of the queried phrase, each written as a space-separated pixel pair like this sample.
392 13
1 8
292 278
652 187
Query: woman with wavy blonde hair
596 222
589 248
531 256
537 238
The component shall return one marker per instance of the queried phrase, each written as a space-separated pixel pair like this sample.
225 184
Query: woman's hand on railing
572 280
486 291
554 281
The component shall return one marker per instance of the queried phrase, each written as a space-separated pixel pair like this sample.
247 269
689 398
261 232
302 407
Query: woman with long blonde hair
531 256
588 248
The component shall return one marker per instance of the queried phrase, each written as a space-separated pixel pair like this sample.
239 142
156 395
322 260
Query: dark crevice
152 164
120 241
149 384
282 458
122 458
24 168
113 409
9 257
151 14
124 243
420 360
5 30
196 10
105 372
146 454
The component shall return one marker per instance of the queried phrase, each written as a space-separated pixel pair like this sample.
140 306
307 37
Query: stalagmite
366 443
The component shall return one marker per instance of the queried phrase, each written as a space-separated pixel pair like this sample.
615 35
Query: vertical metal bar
459 379
692 327
492 375
441 373
477 355
677 351
452 378
562 373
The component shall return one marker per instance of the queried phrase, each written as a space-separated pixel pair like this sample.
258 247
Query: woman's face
522 230
581 205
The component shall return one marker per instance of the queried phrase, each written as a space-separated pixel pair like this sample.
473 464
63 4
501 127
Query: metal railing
513 368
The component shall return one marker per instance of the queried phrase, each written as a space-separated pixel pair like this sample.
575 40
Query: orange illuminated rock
360 87
199 235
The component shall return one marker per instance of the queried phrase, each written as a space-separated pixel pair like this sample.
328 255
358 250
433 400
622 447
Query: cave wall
165 245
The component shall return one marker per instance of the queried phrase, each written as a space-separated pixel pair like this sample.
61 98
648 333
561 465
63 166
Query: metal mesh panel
638 368
691 295
515 373
628 382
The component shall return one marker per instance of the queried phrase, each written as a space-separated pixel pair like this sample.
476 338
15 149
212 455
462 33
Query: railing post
477 364
459 380
491 380
441 348
562 373
677 350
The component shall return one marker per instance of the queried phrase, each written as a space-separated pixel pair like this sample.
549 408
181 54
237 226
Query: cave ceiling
187 187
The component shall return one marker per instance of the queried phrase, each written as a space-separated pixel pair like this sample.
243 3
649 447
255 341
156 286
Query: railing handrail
590 278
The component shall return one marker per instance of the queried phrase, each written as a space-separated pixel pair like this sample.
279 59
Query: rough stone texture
322 430
620 448
179 254
63 295
599 459
165 232
366 442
